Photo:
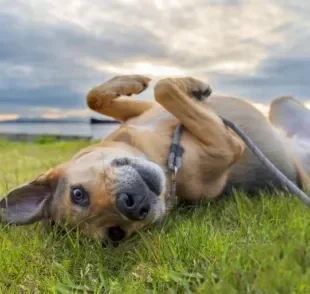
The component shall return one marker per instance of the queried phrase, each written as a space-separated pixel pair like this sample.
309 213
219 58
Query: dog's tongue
291 116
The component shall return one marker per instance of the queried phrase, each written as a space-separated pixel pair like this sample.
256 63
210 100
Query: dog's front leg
183 97
105 98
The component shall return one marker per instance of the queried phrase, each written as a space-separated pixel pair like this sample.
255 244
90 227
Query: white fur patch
300 147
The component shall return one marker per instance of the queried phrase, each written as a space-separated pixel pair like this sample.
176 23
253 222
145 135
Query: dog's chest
155 141
153 135
152 120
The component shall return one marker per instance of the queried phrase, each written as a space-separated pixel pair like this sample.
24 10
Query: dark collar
174 164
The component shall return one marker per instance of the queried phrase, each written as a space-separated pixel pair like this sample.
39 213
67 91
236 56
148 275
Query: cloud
55 51
275 77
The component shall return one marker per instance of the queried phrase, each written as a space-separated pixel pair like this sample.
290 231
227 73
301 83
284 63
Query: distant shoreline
103 121
59 121
34 137
29 130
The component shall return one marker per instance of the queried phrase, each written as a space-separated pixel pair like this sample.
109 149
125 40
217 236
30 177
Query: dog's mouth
116 234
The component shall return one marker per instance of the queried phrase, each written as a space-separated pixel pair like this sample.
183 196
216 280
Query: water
96 131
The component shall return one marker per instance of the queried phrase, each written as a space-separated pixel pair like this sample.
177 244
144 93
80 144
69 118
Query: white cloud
152 70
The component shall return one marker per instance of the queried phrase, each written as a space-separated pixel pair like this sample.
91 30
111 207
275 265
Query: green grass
237 245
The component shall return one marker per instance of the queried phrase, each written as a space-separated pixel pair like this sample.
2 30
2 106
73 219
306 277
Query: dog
111 189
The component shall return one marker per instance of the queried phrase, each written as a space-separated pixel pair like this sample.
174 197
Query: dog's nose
134 207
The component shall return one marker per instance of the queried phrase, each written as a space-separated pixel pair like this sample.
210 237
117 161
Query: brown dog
120 185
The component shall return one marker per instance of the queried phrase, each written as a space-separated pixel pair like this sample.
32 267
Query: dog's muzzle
135 207
139 184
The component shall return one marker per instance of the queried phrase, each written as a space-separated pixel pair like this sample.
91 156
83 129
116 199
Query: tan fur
214 161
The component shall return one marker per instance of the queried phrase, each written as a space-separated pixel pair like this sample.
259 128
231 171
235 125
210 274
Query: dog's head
108 192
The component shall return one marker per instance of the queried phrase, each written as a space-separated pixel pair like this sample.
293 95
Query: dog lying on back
111 189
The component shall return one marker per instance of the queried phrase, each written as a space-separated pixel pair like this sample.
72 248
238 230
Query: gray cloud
52 52
276 77
41 64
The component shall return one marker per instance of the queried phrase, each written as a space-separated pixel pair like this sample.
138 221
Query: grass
237 245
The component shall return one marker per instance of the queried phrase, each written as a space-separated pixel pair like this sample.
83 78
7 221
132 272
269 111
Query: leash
287 183
175 163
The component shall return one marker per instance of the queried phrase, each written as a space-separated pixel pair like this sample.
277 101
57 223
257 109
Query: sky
53 52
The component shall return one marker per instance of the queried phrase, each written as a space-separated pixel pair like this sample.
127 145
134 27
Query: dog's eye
79 196
116 234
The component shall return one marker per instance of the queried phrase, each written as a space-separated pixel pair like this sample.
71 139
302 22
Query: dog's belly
249 173
156 128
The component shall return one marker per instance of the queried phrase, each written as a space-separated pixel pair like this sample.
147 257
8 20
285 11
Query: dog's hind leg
292 117
180 96
105 99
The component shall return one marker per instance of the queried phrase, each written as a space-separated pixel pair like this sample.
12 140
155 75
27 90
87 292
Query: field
237 245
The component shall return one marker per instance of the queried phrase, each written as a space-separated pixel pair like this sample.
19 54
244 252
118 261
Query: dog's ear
29 203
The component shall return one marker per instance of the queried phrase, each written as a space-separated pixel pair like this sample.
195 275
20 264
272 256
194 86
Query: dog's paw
125 85
202 92
198 89
193 87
